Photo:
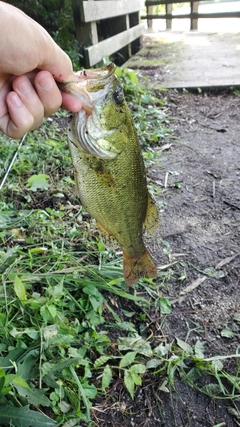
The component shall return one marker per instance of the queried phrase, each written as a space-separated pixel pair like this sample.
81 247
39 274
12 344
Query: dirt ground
198 176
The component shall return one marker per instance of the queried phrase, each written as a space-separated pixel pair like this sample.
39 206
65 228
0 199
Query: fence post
194 9
150 12
168 11
86 32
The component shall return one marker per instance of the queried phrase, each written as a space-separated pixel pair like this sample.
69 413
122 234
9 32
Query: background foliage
56 17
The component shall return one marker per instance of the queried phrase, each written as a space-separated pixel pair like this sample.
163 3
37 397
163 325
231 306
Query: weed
64 336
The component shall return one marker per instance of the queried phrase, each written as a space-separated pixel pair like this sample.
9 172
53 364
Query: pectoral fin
152 216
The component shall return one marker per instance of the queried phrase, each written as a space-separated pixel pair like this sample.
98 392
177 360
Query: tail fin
137 268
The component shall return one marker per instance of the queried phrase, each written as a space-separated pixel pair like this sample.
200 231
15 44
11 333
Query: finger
48 92
18 120
71 103
29 97
56 61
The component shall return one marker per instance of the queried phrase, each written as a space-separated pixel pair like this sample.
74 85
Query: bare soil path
200 236
190 59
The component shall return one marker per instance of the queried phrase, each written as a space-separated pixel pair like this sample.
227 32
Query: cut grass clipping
63 300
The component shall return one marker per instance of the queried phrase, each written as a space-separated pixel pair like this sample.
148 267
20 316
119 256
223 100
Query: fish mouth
99 74
90 85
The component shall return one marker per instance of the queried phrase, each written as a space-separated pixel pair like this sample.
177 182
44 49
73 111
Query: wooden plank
168 8
195 16
156 3
194 9
97 10
86 33
121 23
94 54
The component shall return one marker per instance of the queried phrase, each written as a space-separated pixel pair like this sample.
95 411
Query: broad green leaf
38 250
101 361
2 379
198 349
25 367
32 333
184 345
48 312
236 317
132 76
217 364
217 274
129 383
212 389
127 359
137 344
153 363
227 332
50 331
193 375
12 356
145 98
165 306
3 319
34 397
128 313
107 377
71 423
52 310
16 380
126 326
138 369
57 290
38 182
24 417
136 378
234 412
64 406
46 368
162 349
89 390
4 391
19 289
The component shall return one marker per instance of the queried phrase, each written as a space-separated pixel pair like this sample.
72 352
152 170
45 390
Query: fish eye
118 97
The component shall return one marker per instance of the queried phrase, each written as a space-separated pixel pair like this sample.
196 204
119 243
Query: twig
12 161
188 289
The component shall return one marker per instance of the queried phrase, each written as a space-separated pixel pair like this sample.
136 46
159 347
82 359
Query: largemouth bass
109 169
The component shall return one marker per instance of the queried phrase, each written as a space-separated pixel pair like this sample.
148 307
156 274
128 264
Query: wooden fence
193 15
104 27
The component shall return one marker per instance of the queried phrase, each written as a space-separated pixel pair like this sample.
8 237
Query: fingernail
46 83
15 100
24 87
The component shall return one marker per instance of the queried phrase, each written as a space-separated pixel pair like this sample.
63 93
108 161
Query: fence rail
104 27
194 15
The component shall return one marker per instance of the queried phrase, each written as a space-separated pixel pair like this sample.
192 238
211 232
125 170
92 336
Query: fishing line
12 161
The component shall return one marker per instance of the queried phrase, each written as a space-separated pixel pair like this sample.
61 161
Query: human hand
31 63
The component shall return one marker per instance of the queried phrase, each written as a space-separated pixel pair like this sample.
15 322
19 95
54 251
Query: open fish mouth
86 131
97 73
90 85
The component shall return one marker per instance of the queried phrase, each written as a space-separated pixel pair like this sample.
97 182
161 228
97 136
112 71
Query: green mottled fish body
109 169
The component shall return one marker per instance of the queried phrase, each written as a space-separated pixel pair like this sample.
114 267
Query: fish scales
109 170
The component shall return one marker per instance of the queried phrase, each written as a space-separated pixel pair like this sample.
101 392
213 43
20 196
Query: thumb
57 62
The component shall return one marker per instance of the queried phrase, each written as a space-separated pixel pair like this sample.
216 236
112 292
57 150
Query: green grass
62 291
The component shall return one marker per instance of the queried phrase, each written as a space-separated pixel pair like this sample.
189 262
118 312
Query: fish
109 170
